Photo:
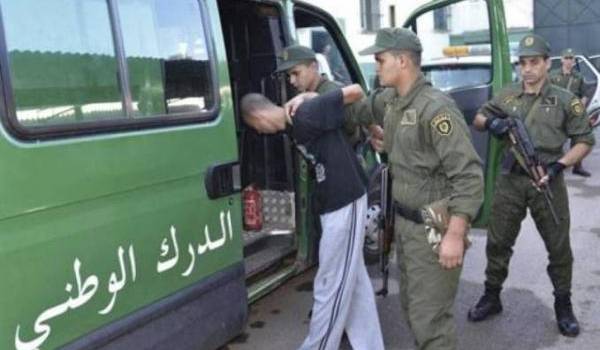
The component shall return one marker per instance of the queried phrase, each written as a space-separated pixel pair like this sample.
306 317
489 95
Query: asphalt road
279 321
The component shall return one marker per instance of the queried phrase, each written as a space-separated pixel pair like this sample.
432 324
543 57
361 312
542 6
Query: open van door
447 40
318 30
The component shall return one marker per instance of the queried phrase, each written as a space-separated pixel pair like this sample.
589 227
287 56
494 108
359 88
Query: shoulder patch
442 124
577 107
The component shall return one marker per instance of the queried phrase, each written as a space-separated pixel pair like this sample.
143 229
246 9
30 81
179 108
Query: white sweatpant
343 294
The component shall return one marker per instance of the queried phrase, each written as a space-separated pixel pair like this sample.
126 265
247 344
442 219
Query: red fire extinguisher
253 220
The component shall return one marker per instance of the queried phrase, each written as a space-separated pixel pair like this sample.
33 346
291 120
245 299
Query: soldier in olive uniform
431 157
568 78
551 116
300 63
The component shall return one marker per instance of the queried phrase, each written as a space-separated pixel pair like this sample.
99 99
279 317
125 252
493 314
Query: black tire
371 249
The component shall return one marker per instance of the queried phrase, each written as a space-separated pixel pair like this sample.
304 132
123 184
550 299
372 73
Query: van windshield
448 77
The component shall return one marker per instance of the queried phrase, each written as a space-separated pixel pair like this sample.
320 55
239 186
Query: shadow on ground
525 323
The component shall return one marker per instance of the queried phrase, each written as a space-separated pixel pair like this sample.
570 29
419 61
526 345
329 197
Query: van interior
253 34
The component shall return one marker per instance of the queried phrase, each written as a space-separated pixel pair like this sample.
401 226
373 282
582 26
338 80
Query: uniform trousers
343 294
514 194
427 291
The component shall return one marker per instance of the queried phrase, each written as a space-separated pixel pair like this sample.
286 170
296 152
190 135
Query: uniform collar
415 89
543 91
322 81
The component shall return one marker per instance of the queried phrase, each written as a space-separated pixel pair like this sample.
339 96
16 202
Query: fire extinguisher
253 220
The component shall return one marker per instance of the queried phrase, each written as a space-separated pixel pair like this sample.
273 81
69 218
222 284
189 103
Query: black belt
413 215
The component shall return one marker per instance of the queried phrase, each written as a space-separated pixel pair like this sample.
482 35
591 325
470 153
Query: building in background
569 24
463 23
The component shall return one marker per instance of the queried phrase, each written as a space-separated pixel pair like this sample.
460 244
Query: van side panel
107 228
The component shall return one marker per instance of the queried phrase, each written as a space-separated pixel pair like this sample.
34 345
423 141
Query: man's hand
497 126
292 105
452 247
552 171
376 137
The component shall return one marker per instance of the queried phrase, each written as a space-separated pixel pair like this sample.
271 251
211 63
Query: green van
123 161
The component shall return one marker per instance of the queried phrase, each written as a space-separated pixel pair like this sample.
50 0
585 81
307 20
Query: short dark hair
252 102
414 56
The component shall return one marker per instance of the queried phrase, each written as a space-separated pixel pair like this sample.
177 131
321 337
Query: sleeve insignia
442 124
577 107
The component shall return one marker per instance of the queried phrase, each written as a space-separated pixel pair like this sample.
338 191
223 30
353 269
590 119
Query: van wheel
371 249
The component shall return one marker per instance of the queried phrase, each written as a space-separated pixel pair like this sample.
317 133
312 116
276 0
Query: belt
413 215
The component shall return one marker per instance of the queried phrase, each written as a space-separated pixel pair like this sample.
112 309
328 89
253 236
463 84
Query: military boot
566 321
581 172
489 304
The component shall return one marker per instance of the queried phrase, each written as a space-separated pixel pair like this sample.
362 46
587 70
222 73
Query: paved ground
279 321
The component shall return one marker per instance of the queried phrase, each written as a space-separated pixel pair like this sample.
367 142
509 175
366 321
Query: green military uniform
572 81
551 117
298 54
431 157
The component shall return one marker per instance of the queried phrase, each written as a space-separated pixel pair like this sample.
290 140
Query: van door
318 30
469 60
113 115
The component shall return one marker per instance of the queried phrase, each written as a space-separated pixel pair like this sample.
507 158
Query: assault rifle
386 227
523 149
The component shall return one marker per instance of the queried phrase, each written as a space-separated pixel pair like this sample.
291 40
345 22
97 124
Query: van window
167 57
62 61
317 34
456 44
588 75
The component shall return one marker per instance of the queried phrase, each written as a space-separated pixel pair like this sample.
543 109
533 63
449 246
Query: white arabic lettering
162 266
84 293
191 267
115 285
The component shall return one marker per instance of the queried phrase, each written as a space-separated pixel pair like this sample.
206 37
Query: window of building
370 16
441 19
392 16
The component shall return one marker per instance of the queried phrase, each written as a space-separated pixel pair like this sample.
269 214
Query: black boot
579 170
489 304
566 321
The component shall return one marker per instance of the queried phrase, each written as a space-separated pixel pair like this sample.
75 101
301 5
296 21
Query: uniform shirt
555 115
430 150
317 125
572 82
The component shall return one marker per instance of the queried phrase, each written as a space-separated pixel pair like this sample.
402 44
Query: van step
266 258
254 242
